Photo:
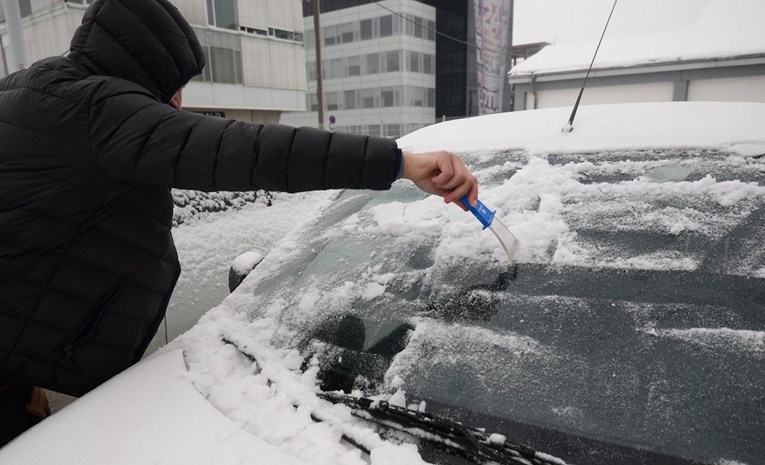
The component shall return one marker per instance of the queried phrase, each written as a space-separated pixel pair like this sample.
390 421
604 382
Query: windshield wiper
442 433
437 432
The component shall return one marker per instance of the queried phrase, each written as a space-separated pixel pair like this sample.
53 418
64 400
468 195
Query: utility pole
18 57
319 77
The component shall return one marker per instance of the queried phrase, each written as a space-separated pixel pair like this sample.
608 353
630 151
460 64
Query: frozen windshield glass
636 313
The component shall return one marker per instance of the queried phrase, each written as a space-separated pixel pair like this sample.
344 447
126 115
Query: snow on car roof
727 126
725 29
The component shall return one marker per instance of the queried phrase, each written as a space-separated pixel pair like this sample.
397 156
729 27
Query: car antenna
570 125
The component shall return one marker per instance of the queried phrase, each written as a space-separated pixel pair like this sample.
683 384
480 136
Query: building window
386 26
427 64
348 33
313 102
414 62
374 130
373 63
431 32
222 13
368 98
409 25
354 66
281 34
419 29
332 104
392 61
349 99
392 130
335 69
254 30
366 29
390 97
25 8
226 65
431 98
329 35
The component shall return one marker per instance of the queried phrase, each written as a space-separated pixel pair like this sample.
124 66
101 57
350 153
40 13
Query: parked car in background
390 328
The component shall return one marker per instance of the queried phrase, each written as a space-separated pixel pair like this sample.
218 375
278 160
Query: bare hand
441 173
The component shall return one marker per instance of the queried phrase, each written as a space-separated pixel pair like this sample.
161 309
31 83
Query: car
391 328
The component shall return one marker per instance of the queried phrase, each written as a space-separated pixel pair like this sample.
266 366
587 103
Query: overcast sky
557 21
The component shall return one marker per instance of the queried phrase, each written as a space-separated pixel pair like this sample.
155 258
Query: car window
635 313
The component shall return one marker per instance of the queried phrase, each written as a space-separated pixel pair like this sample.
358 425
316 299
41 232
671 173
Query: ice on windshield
611 213
624 258
715 338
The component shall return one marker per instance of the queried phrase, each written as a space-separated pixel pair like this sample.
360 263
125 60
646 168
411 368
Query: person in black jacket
90 145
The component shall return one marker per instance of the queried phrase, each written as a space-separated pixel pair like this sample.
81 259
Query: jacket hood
144 41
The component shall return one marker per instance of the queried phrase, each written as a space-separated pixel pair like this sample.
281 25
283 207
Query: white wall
273 63
225 97
287 65
256 58
254 13
50 34
194 11
741 89
650 92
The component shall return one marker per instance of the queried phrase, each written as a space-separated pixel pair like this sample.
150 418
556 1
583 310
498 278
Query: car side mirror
241 267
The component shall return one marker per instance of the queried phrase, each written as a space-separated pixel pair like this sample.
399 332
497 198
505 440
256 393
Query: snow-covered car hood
635 314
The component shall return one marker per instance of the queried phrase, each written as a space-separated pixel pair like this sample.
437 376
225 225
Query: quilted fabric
89 150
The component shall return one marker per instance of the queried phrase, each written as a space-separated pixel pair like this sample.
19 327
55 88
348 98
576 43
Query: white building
379 69
254 48
719 57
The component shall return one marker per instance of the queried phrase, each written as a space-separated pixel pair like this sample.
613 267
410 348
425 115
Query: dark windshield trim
571 448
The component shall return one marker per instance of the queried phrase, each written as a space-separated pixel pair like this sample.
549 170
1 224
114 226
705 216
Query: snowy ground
208 245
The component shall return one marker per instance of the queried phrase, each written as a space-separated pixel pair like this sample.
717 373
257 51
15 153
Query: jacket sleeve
136 139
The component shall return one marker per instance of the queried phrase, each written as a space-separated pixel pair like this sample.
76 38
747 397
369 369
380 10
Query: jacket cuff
399 163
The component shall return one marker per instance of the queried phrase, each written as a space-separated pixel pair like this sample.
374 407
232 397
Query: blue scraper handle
480 211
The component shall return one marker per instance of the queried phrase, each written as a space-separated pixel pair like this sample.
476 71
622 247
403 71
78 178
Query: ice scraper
486 217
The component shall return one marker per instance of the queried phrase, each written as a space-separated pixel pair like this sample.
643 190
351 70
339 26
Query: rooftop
726 29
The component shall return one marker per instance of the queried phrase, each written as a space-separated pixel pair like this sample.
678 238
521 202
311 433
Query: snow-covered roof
725 29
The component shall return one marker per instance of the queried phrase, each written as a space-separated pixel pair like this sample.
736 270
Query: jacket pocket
87 330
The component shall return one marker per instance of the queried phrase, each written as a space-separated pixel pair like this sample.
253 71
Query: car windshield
635 313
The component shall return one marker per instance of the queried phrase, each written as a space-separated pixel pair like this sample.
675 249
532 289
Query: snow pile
726 29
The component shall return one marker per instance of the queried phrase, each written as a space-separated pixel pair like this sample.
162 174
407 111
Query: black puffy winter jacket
89 149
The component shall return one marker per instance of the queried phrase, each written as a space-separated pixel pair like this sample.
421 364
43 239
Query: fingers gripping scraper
486 217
